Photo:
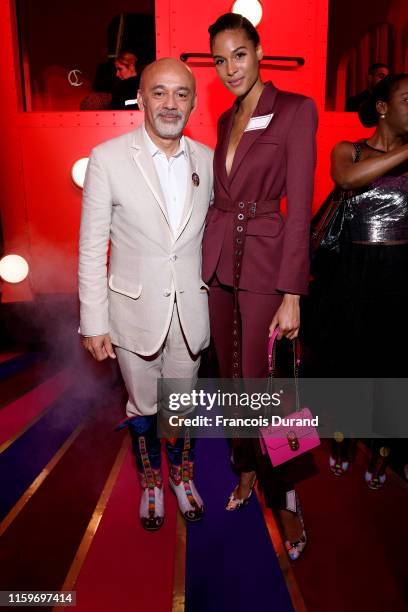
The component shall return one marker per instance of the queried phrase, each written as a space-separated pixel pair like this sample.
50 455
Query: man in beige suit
147 194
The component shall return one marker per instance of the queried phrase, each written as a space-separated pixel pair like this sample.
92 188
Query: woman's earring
382 116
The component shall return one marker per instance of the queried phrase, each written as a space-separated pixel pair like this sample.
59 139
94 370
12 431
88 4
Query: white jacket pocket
119 285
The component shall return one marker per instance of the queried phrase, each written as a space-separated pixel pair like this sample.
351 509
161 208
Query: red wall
40 206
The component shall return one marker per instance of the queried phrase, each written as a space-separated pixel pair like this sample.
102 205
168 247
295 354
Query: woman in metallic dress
365 326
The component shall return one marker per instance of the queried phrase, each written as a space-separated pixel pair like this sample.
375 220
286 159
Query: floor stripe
230 561
40 443
8 356
15 386
93 525
128 568
19 363
35 404
51 526
284 563
356 554
179 583
25 498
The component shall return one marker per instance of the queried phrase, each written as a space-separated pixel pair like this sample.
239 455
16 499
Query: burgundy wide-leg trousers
256 314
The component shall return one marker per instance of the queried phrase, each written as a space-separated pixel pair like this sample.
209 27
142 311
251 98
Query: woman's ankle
246 483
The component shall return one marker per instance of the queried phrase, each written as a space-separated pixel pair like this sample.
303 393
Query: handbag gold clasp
293 441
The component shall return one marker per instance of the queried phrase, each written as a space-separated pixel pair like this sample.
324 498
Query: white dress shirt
172 174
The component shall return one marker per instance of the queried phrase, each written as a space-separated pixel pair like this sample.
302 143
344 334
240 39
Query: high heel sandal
374 481
338 460
236 503
295 549
338 468
375 476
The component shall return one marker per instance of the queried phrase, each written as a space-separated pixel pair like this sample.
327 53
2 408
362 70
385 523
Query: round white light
78 171
251 9
13 268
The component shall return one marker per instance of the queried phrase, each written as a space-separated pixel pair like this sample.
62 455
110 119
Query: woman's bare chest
237 132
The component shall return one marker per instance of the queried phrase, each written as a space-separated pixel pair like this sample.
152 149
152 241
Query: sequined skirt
357 315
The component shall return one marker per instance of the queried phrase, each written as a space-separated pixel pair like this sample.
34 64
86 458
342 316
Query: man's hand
287 317
100 347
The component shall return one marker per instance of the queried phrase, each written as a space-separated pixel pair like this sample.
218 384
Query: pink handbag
285 442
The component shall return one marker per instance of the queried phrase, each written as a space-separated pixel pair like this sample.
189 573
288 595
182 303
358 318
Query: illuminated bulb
13 268
78 171
251 9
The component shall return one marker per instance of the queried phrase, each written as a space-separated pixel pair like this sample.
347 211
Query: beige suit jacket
131 296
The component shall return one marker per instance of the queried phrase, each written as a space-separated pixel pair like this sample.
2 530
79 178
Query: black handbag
327 224
328 231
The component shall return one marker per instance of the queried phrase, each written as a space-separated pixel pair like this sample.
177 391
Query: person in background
376 72
100 97
361 331
124 95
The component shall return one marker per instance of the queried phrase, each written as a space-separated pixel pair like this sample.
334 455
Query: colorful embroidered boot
147 451
181 452
181 483
151 509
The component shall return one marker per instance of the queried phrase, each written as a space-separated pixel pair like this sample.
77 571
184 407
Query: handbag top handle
271 344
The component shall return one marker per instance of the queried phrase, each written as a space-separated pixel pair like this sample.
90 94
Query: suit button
173 258
167 293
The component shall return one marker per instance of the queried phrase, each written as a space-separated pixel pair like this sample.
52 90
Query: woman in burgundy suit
255 260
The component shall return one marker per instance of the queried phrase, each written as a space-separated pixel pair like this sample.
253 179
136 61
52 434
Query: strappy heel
338 468
236 503
338 460
295 548
375 476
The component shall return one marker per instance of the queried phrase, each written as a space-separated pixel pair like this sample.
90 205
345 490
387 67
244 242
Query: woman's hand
287 317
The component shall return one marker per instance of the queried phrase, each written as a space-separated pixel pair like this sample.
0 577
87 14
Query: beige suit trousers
140 373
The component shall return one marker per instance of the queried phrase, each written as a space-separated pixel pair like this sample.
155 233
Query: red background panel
40 206
65 35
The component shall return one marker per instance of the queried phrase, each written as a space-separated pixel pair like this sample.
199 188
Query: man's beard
169 130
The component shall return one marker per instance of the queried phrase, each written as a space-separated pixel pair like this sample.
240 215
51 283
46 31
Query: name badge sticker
258 123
